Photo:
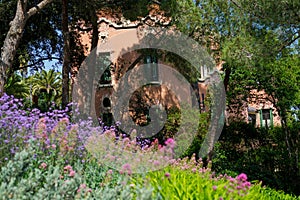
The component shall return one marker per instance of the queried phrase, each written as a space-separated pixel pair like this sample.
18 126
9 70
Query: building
116 64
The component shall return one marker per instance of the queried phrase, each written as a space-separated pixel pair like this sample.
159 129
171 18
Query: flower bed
43 156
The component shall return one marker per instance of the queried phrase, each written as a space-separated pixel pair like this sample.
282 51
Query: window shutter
261 118
271 117
147 61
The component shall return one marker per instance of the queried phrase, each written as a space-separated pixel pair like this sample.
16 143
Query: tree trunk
217 116
14 36
286 131
226 78
92 63
293 161
66 60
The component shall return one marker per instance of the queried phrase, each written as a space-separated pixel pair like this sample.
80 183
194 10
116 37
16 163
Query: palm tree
17 86
47 86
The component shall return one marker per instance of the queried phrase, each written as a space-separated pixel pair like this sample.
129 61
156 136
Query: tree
47 86
67 56
14 36
243 32
254 41
16 86
280 79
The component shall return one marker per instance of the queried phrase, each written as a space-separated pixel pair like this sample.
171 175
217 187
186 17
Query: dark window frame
103 61
107 119
151 62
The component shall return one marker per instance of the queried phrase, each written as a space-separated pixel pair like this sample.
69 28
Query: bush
260 153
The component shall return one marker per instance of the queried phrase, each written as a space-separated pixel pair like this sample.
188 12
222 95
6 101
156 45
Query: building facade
114 63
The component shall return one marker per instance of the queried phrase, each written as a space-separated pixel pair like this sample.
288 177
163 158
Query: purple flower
214 187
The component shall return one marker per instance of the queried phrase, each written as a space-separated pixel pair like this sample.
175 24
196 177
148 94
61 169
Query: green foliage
22 179
187 179
196 144
17 86
47 86
260 153
32 175
281 80
37 44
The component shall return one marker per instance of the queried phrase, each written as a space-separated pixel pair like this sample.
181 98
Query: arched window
106 102
151 68
106 77
104 63
107 119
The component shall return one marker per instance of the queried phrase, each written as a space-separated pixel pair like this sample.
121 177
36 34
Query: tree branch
240 7
39 61
84 29
38 7
288 43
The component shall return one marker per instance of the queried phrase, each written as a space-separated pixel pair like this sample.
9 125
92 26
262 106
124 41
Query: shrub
261 153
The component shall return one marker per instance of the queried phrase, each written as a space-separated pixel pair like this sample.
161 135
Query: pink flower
65 120
238 187
167 175
247 184
155 142
127 167
170 142
53 146
42 120
231 179
110 171
68 168
43 166
242 177
156 163
72 173
214 187
126 140
82 186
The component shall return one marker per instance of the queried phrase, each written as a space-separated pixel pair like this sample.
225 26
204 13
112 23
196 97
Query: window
106 77
107 119
202 103
205 70
151 68
266 118
104 63
252 115
252 118
106 102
